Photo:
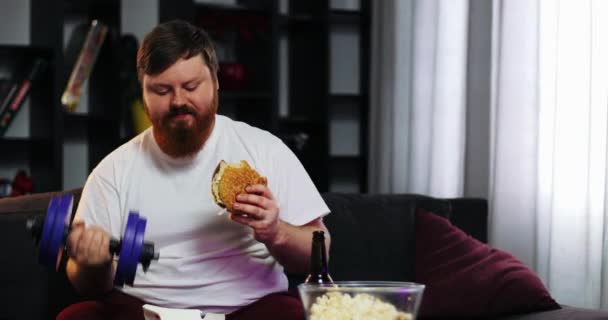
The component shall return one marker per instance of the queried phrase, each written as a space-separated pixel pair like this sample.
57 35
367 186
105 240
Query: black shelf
86 118
89 127
346 174
235 9
345 17
25 51
295 20
345 158
24 144
337 17
341 98
244 95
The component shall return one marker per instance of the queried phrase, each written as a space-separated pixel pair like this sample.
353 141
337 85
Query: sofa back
372 239
373 236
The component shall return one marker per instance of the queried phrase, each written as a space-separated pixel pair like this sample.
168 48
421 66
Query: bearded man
233 266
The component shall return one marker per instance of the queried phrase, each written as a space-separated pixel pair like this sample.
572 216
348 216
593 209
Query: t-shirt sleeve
99 202
298 198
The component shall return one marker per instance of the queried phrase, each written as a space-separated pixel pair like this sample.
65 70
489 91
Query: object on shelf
6 186
19 89
249 26
141 121
232 76
22 184
243 43
297 141
84 65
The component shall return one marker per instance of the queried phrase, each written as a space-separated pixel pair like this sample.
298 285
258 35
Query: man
207 262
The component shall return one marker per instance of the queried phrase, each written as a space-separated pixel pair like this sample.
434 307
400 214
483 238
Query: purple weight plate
57 239
47 230
138 242
122 269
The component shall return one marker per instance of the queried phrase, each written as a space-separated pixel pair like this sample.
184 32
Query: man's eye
161 92
191 87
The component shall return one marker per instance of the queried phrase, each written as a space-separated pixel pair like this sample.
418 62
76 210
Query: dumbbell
51 233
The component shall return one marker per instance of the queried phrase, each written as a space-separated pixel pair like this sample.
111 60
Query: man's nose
178 98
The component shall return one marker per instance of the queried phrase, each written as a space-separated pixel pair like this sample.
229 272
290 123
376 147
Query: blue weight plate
122 269
61 222
47 230
138 242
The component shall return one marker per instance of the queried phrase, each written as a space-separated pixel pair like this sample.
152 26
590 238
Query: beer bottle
318 261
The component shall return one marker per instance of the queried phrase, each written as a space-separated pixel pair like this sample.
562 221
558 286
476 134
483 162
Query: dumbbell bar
51 233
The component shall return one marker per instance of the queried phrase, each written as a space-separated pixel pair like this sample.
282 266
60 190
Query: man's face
181 103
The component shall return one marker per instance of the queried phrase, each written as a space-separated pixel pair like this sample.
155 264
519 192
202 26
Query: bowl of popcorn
369 300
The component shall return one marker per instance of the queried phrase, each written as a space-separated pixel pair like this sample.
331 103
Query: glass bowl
370 300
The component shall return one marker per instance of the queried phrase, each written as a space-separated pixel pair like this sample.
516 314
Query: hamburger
230 180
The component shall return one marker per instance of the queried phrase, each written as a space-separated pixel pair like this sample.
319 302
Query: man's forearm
293 245
91 281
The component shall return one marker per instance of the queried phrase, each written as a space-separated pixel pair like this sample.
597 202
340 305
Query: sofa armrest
31 291
37 202
23 281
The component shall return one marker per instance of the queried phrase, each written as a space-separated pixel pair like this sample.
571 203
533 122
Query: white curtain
418 99
572 168
513 128
536 149
548 171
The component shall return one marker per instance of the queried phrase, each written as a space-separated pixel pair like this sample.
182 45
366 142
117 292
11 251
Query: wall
138 17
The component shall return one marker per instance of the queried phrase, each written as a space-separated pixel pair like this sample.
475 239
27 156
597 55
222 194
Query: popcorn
339 306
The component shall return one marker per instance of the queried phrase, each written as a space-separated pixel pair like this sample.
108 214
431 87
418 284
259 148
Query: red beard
179 140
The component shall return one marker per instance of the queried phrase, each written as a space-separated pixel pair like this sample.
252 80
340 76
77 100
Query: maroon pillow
467 278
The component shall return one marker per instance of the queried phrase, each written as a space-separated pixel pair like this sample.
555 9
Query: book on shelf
86 60
14 93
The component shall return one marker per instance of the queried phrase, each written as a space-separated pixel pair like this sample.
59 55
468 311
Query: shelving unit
306 76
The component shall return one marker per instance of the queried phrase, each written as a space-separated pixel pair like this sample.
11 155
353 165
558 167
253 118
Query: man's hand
90 268
89 246
259 210
289 244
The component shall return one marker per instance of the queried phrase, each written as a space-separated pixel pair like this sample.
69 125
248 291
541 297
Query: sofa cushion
467 278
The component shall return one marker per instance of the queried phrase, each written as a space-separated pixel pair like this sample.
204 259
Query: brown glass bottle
319 273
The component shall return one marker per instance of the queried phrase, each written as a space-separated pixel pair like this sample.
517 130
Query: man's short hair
170 41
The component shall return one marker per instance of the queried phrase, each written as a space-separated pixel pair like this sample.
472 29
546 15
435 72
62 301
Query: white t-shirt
207 261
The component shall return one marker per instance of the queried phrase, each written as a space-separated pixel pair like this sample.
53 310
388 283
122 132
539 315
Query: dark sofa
373 238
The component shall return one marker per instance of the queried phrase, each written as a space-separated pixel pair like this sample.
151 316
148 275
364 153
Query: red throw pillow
467 278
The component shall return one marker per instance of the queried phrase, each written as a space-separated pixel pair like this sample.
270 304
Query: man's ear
217 83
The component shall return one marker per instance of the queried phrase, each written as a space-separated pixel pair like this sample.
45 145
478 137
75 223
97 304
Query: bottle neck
318 258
